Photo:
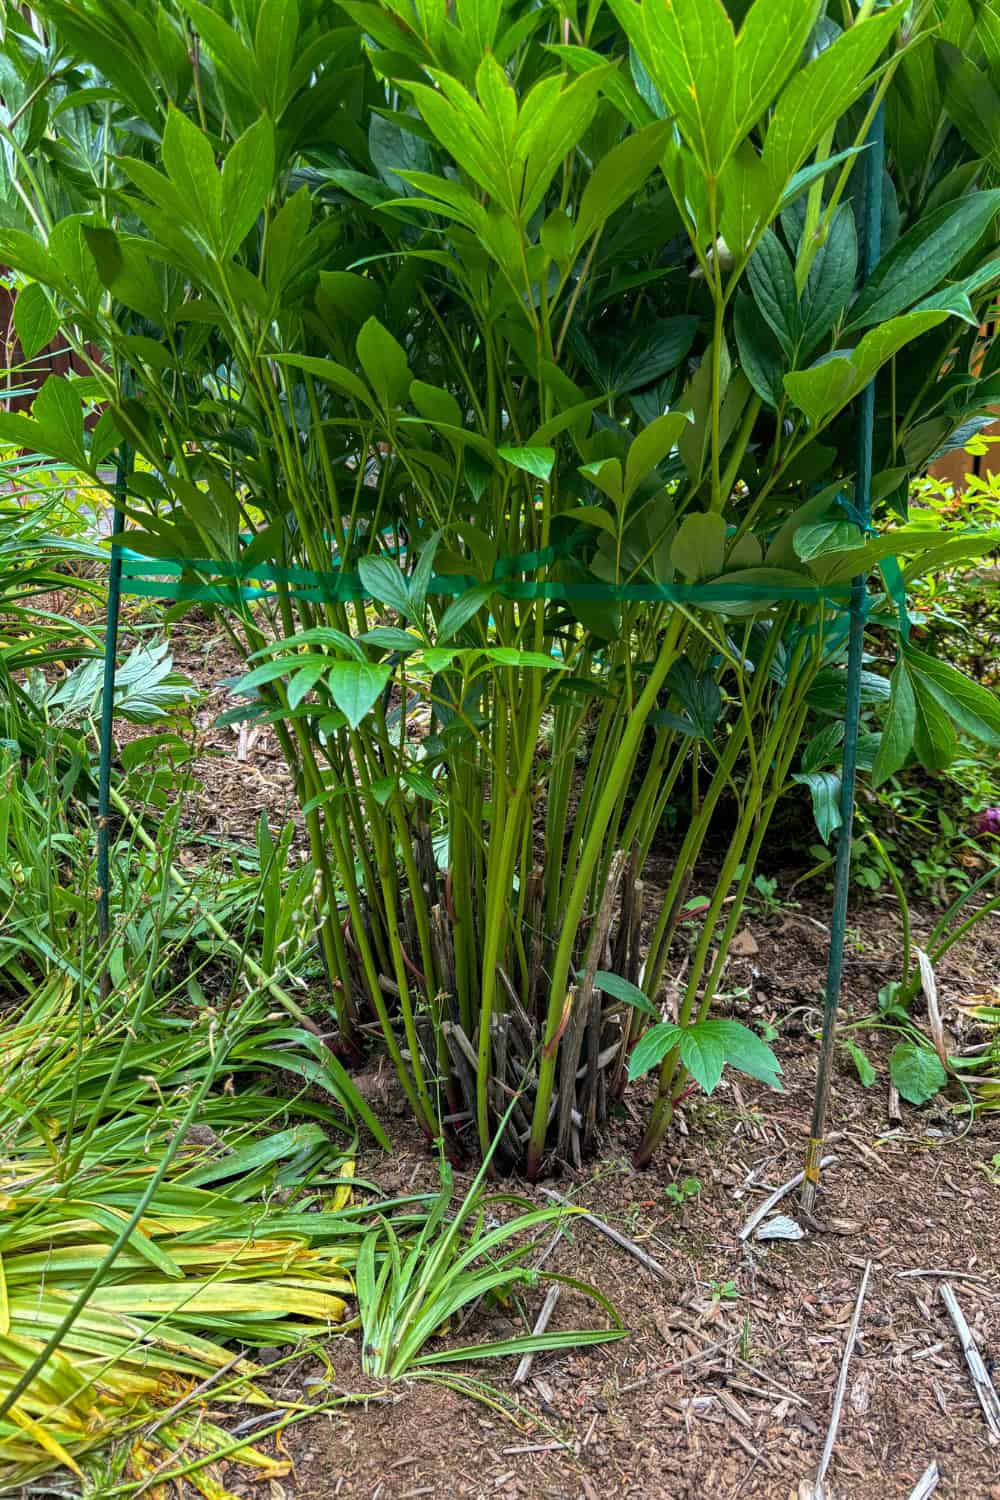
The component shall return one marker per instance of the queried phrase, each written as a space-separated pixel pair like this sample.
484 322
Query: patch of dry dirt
725 1385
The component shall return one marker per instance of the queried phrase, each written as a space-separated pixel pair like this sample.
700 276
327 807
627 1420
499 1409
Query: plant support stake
872 238
122 470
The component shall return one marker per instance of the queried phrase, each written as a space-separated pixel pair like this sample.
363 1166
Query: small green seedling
991 1168
723 1291
677 1193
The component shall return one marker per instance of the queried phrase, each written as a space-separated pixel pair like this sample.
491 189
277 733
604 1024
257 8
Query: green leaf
190 163
821 538
36 320
319 635
688 48
768 48
703 1055
699 548
621 989
804 179
247 176
744 1050
925 255
748 198
386 584
269 671
592 515
970 100
59 414
866 1073
934 740
821 92
759 351
974 709
772 282
384 363
355 687
389 638
462 609
824 747
435 405
329 371
536 461
699 694
618 177
917 1072
898 726
303 681
652 1047
349 295
651 446
510 656
829 386
423 572
824 788
276 46
831 278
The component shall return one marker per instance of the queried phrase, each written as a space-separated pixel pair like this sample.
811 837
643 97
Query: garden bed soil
726 1384
724 1388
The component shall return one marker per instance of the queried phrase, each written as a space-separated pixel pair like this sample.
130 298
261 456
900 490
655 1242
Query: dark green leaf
355 687
386 584
917 1072
898 726
772 282
920 261
830 282
462 609
699 694
652 1048
36 320
620 989
699 548
866 1073
824 788
974 709
383 360
759 351
536 461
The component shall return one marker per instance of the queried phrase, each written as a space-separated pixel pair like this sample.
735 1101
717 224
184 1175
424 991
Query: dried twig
838 1399
985 1389
893 1108
541 1323
763 1209
679 1364
927 1483
943 1271
612 1234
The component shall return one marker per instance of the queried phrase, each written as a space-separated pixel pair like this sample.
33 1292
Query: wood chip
763 1209
611 1234
927 1483
744 944
985 1389
541 1323
838 1400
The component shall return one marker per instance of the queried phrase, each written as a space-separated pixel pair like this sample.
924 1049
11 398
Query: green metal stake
872 245
122 471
